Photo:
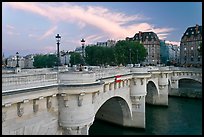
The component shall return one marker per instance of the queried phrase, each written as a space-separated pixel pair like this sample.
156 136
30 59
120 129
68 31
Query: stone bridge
67 102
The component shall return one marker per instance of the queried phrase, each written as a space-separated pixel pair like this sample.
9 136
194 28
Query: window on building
185 58
198 58
191 48
192 32
191 58
185 49
186 33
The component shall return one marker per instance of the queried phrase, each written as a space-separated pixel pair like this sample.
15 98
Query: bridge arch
152 92
115 110
199 80
189 83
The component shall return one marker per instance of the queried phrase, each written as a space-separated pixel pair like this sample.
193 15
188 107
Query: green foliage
129 52
124 52
75 58
45 61
97 55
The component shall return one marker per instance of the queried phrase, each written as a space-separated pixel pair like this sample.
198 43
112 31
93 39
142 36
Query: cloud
93 38
48 33
47 49
10 30
10 27
81 24
173 42
115 25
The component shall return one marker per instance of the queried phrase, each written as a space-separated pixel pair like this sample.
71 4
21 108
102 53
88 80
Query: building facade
108 43
170 54
29 59
151 42
174 53
12 61
164 52
190 44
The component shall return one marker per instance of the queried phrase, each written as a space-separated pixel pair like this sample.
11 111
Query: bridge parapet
76 78
23 81
112 71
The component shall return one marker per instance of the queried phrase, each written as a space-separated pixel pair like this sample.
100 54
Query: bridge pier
75 115
174 83
76 130
162 98
138 112
138 93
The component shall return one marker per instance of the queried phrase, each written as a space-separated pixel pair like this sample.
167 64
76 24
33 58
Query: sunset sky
31 27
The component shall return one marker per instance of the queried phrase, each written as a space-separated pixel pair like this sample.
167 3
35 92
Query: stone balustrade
111 71
22 81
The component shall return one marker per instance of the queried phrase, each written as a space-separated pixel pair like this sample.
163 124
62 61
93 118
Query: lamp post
82 43
58 38
17 64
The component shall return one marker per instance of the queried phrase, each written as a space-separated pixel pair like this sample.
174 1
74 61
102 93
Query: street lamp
58 38
17 64
82 43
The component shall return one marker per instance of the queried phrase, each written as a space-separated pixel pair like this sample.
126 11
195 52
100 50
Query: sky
30 27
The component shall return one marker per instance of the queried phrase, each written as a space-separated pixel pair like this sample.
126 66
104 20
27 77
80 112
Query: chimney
140 33
196 28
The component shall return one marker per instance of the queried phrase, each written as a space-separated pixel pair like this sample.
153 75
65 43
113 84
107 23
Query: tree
45 61
98 55
127 52
75 58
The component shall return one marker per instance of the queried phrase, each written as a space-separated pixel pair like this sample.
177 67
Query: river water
183 116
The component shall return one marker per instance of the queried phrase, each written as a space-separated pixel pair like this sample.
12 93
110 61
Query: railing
38 78
111 71
17 81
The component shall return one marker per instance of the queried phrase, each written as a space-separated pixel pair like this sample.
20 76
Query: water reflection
183 116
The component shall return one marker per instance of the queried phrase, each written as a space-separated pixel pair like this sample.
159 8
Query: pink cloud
113 24
173 42
48 33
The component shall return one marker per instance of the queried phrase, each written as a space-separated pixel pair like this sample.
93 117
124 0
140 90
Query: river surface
183 116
